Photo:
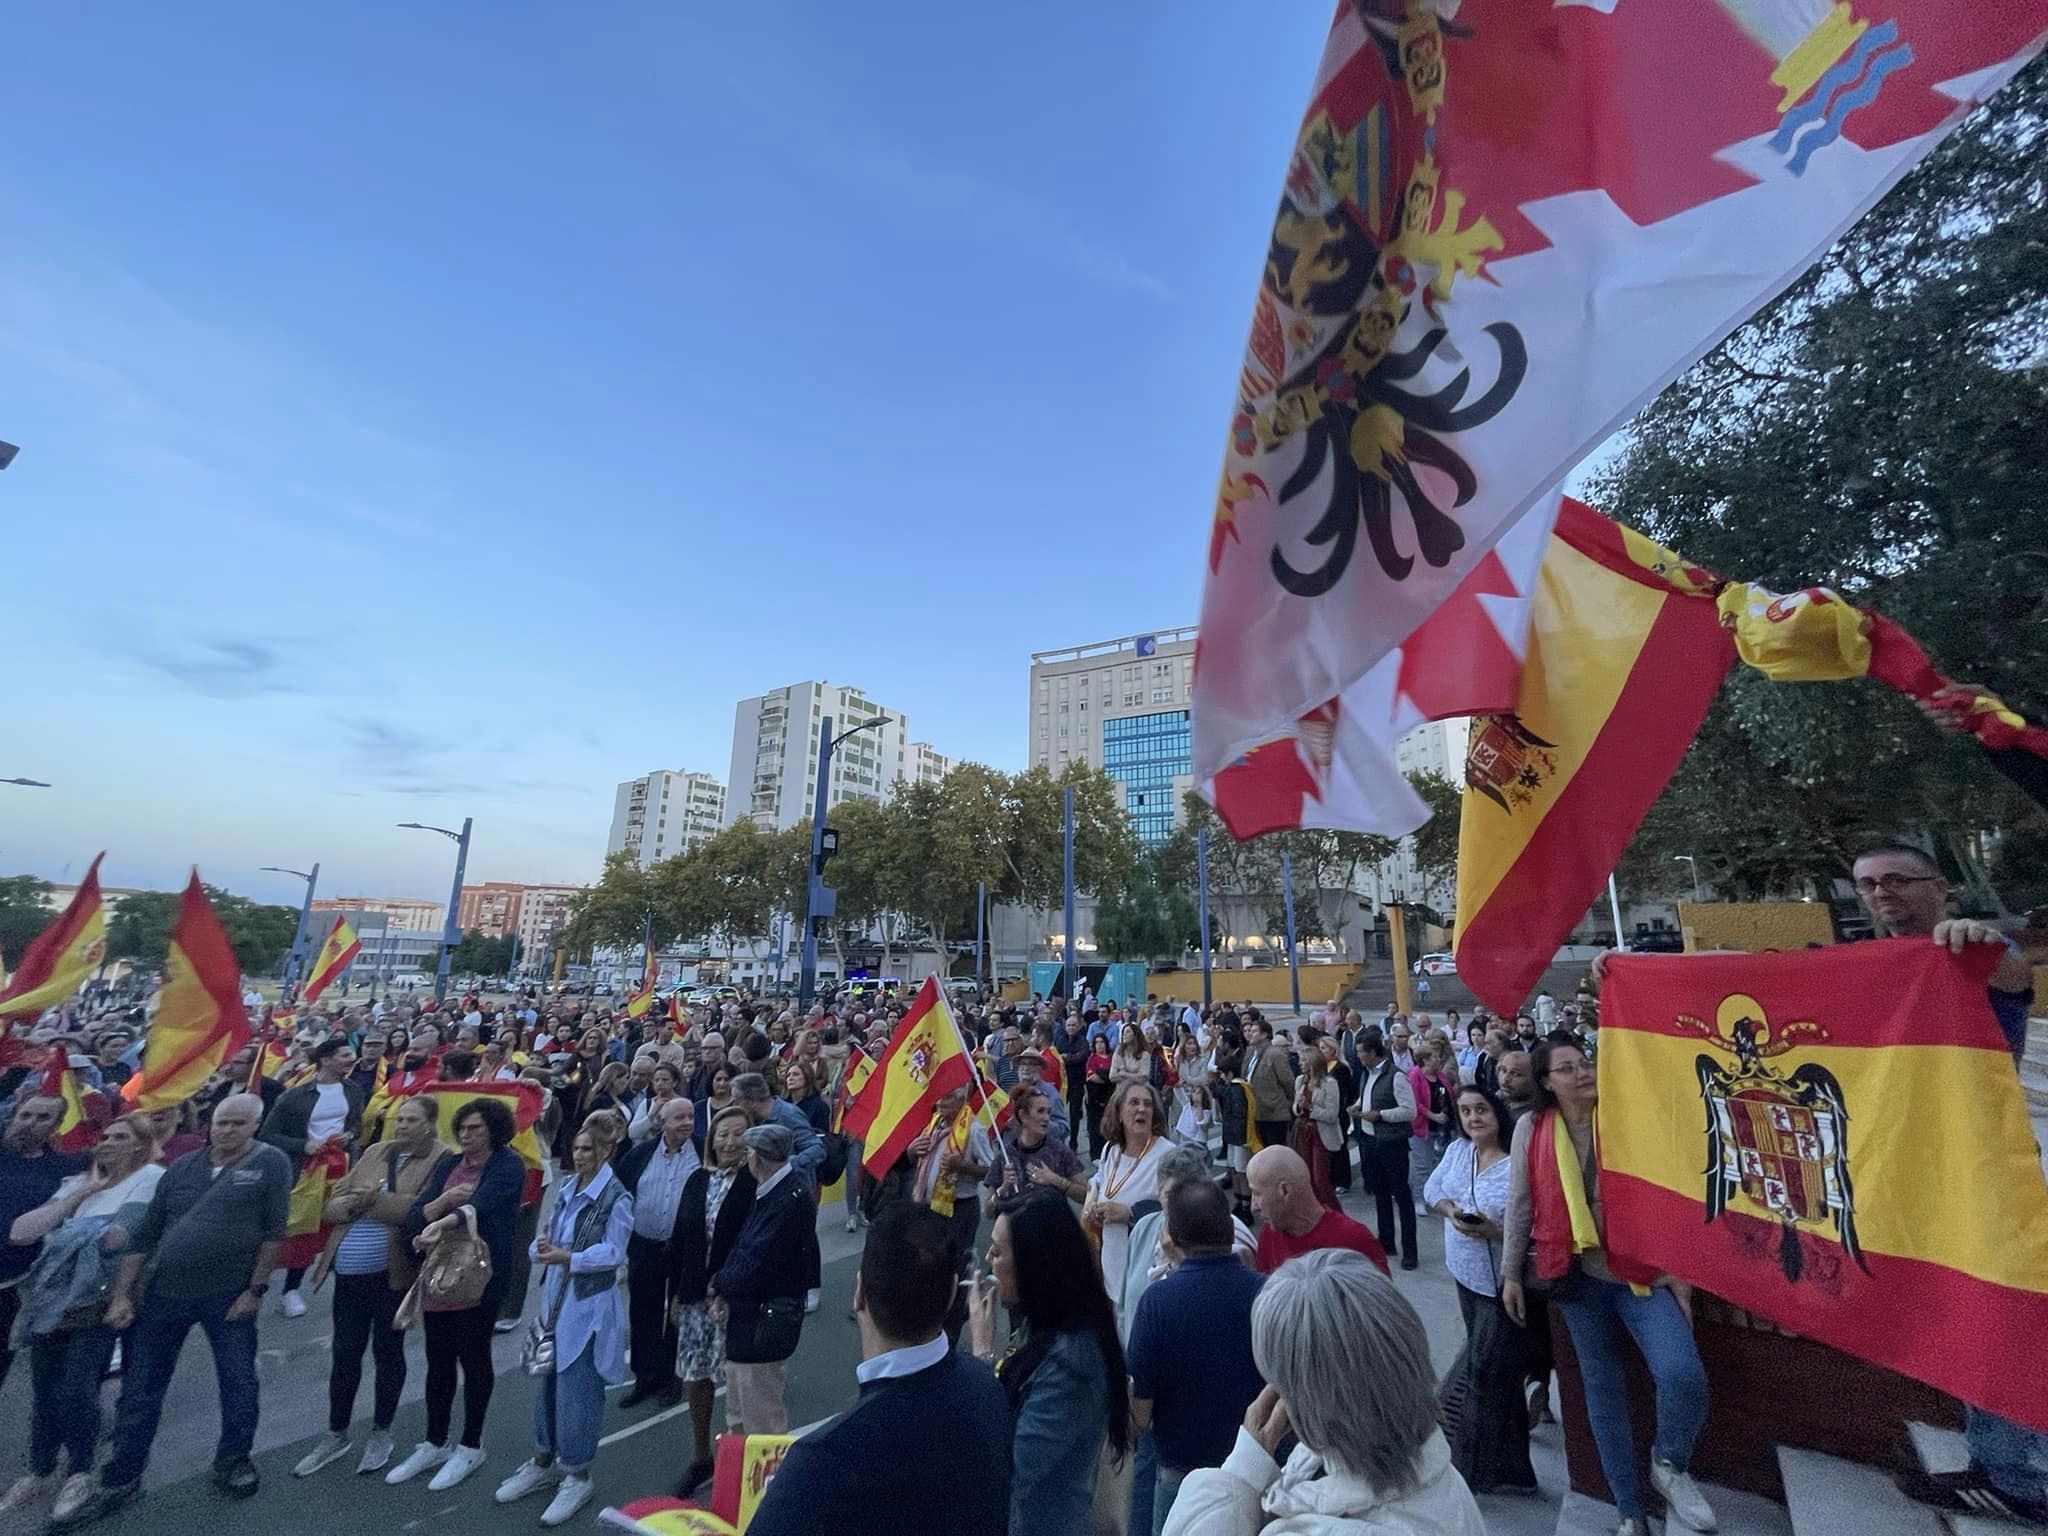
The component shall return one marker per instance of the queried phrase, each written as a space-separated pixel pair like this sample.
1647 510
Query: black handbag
766 1332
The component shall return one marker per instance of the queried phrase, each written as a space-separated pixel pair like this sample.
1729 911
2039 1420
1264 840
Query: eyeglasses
1891 885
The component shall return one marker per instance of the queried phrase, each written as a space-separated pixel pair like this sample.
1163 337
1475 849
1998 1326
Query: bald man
1292 1221
210 1240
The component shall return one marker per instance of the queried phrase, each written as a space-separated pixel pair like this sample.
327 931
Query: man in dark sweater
851 1477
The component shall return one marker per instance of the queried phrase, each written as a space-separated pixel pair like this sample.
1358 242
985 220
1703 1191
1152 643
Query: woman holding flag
315 1125
954 1154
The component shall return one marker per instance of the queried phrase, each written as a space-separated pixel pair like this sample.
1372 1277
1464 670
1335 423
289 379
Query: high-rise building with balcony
659 815
774 773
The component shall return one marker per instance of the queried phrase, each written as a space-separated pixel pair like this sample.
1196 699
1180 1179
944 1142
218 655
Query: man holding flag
954 1154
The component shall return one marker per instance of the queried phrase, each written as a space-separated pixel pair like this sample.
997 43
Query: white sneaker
530 1477
811 1300
464 1461
505 1325
1687 1505
376 1452
25 1491
853 1223
424 1457
329 1448
570 1497
292 1304
77 1489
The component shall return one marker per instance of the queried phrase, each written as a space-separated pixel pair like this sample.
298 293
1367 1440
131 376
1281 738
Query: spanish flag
79 1127
58 960
342 946
1626 651
991 1105
1833 1139
925 1061
846 1118
642 1002
200 1021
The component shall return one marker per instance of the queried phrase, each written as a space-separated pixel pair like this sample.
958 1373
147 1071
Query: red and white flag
1506 225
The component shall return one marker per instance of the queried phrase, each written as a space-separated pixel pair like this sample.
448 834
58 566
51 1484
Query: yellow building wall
1754 925
1319 983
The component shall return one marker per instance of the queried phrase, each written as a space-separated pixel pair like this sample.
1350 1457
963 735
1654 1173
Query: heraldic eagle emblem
1781 1139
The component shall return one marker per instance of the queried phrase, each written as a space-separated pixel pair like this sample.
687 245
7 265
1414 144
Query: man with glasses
1906 896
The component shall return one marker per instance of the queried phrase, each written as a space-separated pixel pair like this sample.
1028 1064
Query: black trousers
652 1334
459 1339
966 1220
363 1308
1386 1175
521 1266
10 1305
1275 1133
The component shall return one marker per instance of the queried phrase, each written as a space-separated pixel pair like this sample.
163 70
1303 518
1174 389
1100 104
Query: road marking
413 1525
668 1413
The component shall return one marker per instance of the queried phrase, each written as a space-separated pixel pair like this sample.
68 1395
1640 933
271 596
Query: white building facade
659 815
774 773
926 764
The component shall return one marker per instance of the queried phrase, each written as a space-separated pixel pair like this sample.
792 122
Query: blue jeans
1164 1492
568 1411
65 1367
1144 1464
1596 1318
161 1323
851 1187
2012 1456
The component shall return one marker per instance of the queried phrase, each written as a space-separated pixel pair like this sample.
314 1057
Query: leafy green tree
23 914
1144 922
611 912
478 955
140 929
1877 431
1436 841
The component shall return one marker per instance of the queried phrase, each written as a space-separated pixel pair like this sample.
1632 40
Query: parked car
1435 965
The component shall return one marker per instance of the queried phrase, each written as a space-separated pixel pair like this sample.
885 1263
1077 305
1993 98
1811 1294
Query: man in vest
1385 1114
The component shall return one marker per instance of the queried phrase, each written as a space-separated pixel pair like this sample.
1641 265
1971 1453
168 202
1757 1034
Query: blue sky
453 409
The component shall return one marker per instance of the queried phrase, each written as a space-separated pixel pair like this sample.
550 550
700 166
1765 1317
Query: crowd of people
1172 1328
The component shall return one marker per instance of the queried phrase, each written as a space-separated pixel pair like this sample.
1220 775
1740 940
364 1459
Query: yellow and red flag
991 1105
200 1021
642 1002
85 1110
1783 1130
860 1066
58 960
925 1061
1626 651
342 946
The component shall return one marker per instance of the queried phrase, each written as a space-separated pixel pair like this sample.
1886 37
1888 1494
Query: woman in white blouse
1134 1142
1485 1415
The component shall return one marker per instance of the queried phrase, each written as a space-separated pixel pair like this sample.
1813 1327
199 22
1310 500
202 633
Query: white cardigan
1306 1499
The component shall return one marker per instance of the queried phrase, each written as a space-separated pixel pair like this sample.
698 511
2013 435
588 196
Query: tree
24 913
1144 922
261 934
1105 847
1436 840
613 912
477 955
1874 431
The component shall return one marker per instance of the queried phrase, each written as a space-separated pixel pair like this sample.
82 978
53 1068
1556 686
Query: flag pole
1067 813
1287 895
1202 880
1614 905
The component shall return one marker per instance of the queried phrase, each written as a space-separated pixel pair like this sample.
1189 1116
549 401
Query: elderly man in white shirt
655 1172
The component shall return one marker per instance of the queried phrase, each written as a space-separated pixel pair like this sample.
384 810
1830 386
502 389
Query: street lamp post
1688 859
296 966
451 931
821 900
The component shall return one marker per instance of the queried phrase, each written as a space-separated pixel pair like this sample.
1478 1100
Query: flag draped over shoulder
925 1061
85 1110
522 1098
200 1021
60 959
1870 1176
341 948
1626 651
1502 229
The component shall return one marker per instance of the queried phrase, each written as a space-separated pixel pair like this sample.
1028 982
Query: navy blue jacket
773 1257
851 1477
496 1199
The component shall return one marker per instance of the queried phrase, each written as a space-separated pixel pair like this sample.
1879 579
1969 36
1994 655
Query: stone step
1740 1514
1827 1496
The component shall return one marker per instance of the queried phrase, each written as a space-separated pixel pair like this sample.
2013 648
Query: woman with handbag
373 1268
581 1347
83 1228
465 1223
1554 1224
1485 1415
1314 1134
713 1209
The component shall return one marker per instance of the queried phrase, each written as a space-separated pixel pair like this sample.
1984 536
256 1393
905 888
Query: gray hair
240 1104
753 1087
1349 1355
1183 1162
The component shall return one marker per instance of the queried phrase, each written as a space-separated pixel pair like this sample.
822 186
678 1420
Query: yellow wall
1319 983
1754 925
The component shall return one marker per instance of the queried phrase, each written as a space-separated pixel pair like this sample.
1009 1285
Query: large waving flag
86 1112
925 1061
522 1098
200 1021
341 947
1764 1131
1505 227
1626 651
60 959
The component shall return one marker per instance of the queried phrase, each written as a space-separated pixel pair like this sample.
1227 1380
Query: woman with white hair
1347 1371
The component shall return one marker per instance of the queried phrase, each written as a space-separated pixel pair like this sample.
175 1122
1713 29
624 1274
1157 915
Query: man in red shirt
1292 1220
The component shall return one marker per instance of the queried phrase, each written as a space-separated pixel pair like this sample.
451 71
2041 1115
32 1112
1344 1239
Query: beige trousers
753 1398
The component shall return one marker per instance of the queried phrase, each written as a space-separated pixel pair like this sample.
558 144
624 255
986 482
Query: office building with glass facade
1122 706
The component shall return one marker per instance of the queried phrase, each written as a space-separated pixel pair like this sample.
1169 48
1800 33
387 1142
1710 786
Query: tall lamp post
296 966
1688 859
451 932
821 900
